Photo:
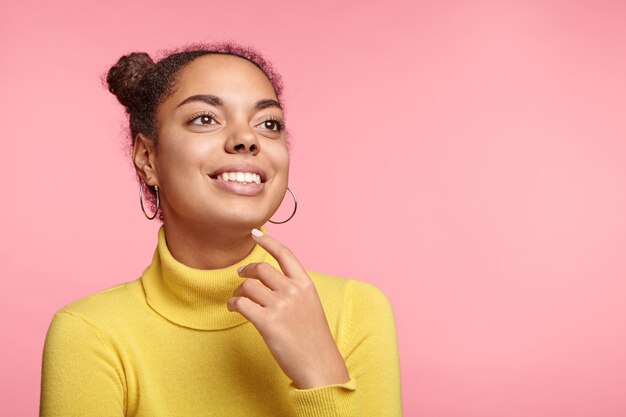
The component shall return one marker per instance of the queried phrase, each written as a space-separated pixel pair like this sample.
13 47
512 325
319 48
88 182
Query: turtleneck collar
196 298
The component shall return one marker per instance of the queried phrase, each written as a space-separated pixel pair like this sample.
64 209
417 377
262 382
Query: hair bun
124 77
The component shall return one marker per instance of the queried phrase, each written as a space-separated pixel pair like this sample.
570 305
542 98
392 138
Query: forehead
225 76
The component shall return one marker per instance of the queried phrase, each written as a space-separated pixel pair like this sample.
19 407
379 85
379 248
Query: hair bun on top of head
124 77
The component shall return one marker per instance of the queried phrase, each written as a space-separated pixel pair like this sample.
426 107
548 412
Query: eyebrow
218 102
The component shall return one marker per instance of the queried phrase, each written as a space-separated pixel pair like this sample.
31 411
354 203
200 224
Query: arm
368 342
81 374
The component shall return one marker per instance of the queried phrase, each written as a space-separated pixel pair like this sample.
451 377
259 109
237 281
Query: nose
242 139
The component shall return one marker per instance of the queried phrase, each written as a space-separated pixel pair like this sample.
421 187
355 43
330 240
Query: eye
273 124
203 119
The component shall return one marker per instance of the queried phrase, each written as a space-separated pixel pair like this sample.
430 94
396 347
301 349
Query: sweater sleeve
368 341
81 374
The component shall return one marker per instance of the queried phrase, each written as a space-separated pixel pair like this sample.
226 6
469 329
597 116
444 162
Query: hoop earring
158 203
295 207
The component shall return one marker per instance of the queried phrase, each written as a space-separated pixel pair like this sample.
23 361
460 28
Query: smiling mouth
239 177
248 185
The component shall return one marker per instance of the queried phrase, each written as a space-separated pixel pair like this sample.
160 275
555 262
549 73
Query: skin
207 227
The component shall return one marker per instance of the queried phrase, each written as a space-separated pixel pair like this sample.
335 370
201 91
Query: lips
239 167
239 188
235 187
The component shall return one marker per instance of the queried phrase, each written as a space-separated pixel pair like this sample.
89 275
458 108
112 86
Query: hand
287 312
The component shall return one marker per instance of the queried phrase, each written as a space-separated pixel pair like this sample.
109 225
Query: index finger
286 259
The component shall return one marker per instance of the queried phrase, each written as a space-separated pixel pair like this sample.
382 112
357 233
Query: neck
212 249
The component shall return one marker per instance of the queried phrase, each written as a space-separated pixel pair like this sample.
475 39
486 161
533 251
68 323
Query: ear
144 158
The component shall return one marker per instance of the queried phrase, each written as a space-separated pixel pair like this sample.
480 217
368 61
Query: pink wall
469 158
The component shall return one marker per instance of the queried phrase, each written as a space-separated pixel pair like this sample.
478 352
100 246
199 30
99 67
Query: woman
225 321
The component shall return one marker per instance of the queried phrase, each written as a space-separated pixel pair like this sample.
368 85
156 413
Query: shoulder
332 292
359 314
349 290
363 293
328 283
101 307
367 307
352 299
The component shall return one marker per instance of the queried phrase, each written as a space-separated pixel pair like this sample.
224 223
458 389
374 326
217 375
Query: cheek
181 159
280 158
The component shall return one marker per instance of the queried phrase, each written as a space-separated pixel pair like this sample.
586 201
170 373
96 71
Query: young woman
225 321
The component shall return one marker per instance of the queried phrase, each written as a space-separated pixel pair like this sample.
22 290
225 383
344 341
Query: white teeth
243 177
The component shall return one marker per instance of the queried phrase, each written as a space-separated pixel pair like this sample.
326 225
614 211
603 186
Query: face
221 161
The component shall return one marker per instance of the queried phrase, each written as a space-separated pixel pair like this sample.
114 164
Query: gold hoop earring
158 203
295 207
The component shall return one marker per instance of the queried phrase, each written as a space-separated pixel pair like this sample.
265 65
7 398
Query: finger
247 308
271 277
255 291
286 259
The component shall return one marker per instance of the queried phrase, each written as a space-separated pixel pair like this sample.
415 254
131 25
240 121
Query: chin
236 221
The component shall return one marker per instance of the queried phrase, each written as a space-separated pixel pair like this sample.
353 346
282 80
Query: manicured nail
257 233
240 268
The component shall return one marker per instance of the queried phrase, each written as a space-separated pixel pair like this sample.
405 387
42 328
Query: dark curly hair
142 85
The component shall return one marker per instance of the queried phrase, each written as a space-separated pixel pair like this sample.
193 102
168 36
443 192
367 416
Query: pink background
468 158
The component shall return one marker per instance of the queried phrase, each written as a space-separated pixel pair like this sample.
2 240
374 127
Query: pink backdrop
468 158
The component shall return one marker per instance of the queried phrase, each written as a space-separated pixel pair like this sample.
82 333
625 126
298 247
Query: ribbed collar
195 298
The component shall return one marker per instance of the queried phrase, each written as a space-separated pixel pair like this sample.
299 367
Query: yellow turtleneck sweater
165 345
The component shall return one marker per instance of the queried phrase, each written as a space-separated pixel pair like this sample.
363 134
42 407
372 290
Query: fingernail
257 233
240 268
